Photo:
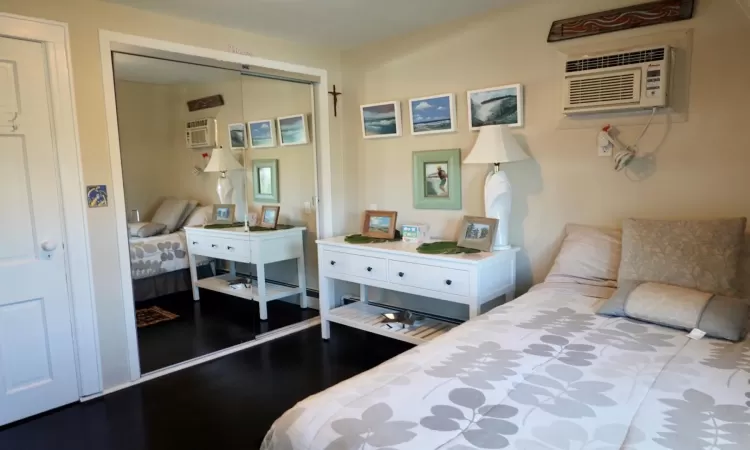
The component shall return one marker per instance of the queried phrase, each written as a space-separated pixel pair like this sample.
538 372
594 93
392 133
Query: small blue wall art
96 196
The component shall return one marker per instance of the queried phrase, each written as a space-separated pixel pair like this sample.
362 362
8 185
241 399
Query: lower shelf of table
368 317
219 284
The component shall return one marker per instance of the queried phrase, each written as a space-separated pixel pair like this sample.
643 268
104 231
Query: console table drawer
450 281
355 265
232 249
367 267
332 262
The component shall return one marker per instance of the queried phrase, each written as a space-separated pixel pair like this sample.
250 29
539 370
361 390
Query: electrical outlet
373 207
605 151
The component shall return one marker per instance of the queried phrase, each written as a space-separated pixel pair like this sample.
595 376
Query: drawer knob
195 242
369 269
214 246
333 263
231 249
401 274
448 282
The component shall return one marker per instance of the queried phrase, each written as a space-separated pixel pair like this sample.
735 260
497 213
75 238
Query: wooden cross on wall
335 101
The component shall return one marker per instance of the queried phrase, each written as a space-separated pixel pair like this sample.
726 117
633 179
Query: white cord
624 157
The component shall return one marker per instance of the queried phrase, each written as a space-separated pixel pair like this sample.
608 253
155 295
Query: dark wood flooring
226 404
216 322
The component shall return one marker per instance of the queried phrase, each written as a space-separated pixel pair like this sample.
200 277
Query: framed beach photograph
269 216
262 134
477 233
436 177
266 180
380 224
237 137
433 115
496 106
293 130
381 120
223 214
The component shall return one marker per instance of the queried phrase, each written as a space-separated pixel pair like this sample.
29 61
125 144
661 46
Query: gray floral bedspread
159 254
541 373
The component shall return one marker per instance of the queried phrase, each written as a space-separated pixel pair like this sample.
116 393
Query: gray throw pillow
145 229
677 307
696 254
170 213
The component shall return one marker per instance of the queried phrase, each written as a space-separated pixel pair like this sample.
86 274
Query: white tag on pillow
696 334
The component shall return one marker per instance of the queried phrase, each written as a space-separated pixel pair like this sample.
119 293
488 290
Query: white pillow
589 255
169 213
199 217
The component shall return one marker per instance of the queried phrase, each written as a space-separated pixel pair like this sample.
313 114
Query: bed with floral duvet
541 373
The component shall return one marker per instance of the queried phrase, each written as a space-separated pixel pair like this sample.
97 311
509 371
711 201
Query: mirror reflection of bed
167 190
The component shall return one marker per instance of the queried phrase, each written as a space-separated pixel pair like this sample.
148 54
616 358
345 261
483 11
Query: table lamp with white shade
222 161
497 145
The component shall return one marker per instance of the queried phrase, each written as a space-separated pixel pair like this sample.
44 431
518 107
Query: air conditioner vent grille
617 88
620 59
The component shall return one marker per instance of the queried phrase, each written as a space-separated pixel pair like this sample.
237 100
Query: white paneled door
37 361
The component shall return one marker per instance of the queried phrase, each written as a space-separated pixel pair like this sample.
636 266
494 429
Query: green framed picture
266 180
437 179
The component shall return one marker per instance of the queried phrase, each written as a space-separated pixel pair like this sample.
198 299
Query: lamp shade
222 161
495 145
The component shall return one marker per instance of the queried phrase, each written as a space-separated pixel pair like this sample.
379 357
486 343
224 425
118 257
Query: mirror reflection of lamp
497 145
222 162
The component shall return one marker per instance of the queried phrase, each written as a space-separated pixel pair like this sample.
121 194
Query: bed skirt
166 283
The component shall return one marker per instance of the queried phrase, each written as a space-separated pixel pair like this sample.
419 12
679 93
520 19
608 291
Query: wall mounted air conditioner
630 80
201 133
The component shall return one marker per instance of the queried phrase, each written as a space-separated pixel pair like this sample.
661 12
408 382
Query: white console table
469 279
259 248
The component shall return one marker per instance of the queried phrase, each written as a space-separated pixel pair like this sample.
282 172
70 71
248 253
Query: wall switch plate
308 207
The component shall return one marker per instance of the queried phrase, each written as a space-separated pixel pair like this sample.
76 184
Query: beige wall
699 168
85 18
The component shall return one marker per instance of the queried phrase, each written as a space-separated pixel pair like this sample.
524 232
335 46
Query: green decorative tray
444 248
216 226
359 239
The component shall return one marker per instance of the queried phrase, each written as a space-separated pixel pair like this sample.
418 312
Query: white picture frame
237 136
257 129
478 97
296 130
428 115
382 117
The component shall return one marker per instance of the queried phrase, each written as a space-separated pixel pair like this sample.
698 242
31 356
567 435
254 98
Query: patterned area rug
153 315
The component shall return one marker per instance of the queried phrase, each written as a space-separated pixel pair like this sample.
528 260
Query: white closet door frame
54 36
111 40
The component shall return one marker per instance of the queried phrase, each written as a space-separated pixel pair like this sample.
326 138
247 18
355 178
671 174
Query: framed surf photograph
237 138
381 120
433 115
262 134
496 106
293 130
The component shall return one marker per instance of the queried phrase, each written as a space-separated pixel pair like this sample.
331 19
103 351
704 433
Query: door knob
49 246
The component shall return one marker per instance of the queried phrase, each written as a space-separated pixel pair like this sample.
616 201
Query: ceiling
141 69
335 23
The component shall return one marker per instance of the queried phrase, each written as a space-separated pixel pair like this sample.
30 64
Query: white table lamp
497 145
222 161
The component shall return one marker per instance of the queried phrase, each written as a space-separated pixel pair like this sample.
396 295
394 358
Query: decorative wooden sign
205 102
636 16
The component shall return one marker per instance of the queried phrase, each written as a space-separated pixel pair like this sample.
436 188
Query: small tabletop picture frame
223 214
269 216
380 224
478 233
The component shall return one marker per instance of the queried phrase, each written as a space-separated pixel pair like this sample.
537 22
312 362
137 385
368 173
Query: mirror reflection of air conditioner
630 80
201 133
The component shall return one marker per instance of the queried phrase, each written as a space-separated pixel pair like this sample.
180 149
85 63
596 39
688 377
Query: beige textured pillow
589 255
145 229
696 254
170 212
744 272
